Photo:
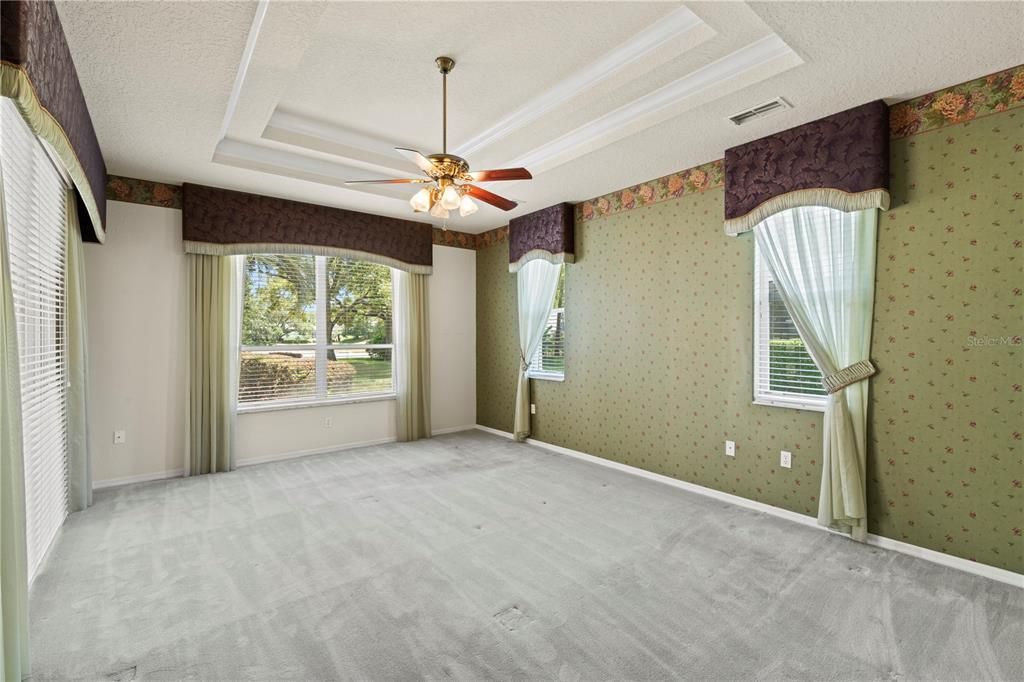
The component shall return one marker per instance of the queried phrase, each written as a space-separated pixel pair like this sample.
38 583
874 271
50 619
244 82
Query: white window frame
320 349
763 395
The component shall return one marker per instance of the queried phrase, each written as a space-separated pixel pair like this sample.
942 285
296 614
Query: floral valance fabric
225 222
39 74
548 234
840 161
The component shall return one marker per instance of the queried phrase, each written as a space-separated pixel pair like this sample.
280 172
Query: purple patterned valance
225 222
840 161
39 75
548 234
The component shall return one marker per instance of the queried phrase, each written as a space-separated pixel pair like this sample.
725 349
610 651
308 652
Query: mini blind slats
784 372
34 195
315 328
550 355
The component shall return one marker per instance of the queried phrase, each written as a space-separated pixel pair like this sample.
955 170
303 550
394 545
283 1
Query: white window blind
315 329
34 196
549 360
784 374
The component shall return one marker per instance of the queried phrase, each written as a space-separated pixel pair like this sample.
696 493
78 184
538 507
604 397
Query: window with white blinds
784 373
549 360
34 197
314 329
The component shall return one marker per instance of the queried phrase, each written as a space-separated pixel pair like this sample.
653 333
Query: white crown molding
268 159
367 151
965 565
675 24
628 119
243 66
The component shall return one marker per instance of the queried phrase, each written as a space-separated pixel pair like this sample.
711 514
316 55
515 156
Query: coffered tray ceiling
292 98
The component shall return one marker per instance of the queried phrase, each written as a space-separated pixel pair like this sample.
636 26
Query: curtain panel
840 161
38 73
548 234
79 460
536 283
14 661
823 264
214 318
223 222
412 348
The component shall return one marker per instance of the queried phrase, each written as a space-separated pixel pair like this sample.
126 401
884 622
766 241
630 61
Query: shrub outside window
314 329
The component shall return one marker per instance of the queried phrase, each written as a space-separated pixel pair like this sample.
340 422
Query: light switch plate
786 459
730 448
533 408
119 437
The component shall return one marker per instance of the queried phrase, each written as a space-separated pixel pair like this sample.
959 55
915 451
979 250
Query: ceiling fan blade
501 174
422 162
490 198
387 181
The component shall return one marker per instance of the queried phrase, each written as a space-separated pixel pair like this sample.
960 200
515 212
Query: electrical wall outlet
730 448
533 408
786 459
119 437
328 422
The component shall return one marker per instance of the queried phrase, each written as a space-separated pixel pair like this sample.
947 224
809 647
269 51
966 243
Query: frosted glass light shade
467 206
450 198
438 210
420 201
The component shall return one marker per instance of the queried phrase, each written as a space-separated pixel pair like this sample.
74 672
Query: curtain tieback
523 364
858 371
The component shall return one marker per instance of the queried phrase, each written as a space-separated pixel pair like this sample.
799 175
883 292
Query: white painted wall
137 360
135 297
452 291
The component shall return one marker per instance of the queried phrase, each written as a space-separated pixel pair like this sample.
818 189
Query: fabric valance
224 222
840 161
39 74
547 234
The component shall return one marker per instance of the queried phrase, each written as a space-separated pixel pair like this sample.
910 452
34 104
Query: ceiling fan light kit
448 174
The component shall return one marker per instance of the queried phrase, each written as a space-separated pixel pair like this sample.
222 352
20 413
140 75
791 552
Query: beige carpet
472 557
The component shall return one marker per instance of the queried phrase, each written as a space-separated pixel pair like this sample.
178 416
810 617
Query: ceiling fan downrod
445 64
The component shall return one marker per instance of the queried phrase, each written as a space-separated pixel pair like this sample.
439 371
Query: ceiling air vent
760 111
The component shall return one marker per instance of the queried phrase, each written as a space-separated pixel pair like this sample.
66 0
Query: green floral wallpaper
659 349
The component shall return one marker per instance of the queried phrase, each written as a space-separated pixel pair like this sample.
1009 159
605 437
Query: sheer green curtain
536 283
79 462
412 348
214 309
823 264
13 549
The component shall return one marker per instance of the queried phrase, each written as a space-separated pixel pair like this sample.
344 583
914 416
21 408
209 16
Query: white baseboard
966 565
140 478
309 453
453 429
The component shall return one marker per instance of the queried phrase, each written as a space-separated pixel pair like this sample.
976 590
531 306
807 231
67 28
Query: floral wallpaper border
147 192
992 94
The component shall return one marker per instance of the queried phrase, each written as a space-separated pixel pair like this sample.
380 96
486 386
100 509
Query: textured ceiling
596 95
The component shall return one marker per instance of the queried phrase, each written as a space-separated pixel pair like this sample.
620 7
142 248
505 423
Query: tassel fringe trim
211 249
541 254
825 196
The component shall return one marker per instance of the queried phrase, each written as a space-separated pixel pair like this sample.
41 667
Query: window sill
304 404
789 404
545 376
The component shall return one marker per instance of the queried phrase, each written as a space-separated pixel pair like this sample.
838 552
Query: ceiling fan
449 175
